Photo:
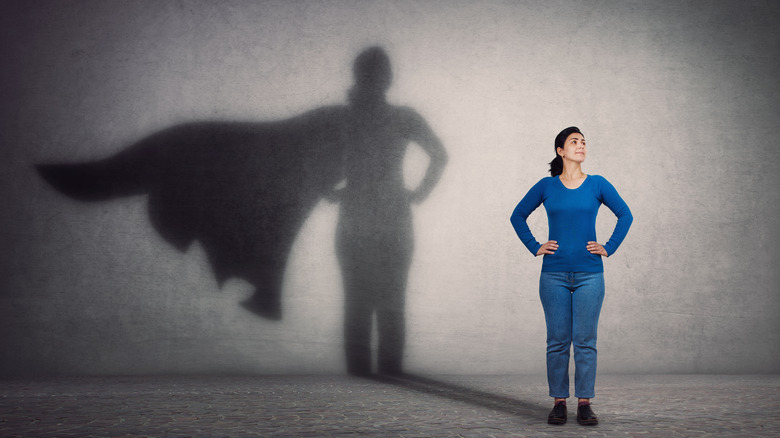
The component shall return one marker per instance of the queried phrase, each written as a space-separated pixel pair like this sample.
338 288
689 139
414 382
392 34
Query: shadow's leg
357 334
391 326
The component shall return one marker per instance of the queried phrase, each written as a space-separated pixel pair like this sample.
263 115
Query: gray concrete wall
678 101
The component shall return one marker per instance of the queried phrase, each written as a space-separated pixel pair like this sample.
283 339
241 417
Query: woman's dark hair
556 165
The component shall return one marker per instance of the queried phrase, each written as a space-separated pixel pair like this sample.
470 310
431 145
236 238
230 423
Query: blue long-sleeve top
571 215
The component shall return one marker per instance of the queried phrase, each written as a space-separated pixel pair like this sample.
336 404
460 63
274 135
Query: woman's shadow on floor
463 394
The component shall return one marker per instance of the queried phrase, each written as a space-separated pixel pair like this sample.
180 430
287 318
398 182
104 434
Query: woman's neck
572 171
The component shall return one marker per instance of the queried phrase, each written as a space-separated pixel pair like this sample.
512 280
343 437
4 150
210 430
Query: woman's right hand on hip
548 247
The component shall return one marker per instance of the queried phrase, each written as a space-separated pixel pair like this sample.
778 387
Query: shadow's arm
427 140
335 193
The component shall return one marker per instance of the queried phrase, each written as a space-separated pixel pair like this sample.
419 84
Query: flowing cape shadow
463 394
243 190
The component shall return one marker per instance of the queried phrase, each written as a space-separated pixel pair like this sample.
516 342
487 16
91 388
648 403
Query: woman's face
573 148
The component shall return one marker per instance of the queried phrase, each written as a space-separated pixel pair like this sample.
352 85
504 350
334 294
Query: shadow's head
372 71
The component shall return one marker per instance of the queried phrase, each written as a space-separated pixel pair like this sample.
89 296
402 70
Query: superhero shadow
244 190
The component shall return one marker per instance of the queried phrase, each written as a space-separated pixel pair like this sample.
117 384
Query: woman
571 286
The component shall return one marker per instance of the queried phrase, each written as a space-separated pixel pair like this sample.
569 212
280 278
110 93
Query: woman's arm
530 202
613 201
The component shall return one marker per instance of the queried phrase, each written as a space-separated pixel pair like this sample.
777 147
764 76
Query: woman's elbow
516 219
627 217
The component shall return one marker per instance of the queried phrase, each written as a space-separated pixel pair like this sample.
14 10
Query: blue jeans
572 303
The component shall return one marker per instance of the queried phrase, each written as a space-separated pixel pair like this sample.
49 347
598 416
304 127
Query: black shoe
585 415
558 414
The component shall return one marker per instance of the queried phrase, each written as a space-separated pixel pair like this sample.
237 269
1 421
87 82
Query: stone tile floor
408 406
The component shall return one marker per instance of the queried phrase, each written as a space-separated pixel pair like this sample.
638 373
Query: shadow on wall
245 189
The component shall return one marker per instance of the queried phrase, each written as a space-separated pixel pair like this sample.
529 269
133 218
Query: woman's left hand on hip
597 248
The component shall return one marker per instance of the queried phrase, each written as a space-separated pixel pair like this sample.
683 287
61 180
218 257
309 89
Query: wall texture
678 101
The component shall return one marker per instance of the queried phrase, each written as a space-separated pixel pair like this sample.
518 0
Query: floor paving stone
406 406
